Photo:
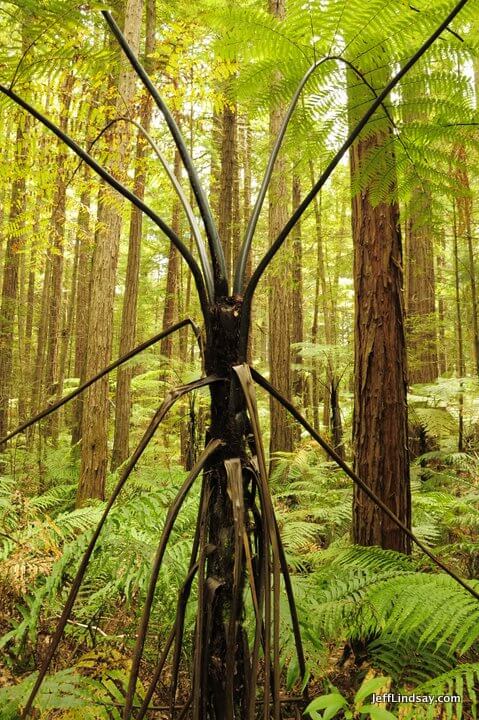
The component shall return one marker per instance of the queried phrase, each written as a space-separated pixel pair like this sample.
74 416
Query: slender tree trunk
94 446
20 370
297 295
247 183
460 369
319 296
282 435
29 319
380 409
443 364
226 183
421 291
15 242
82 304
121 447
170 310
53 379
464 229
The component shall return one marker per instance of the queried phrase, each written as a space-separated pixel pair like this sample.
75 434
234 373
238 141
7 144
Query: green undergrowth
361 610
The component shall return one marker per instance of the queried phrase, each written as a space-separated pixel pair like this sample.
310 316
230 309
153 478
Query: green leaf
292 674
331 704
370 686
377 713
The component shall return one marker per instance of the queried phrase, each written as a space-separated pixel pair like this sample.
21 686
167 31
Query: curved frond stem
306 202
175 508
292 607
120 188
216 250
158 417
250 231
234 475
204 260
257 377
120 361
184 593
247 386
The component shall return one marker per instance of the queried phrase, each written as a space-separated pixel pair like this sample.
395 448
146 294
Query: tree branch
119 187
216 250
123 359
357 480
248 296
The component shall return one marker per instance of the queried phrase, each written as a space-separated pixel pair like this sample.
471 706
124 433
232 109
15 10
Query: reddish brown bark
282 434
297 295
421 292
15 242
380 386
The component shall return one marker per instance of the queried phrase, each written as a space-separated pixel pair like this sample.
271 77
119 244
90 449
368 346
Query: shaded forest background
84 278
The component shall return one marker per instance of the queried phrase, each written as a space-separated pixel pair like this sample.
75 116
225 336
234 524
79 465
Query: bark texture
421 291
15 243
380 409
282 434
94 447
123 402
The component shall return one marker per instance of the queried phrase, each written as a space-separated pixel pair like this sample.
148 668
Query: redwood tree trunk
94 446
53 373
380 386
11 266
282 434
421 292
121 445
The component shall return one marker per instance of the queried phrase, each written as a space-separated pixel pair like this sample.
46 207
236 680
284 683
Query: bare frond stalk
120 188
120 361
216 250
253 222
160 414
357 480
175 508
268 257
204 260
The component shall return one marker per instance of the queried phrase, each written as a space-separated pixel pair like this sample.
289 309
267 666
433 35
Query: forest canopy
239 359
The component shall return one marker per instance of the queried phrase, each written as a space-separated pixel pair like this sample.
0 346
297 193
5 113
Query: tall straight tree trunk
15 242
319 299
226 183
442 357
53 376
94 446
82 303
460 364
247 183
464 229
170 308
380 383
297 294
282 434
420 281
121 447
421 291
19 362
